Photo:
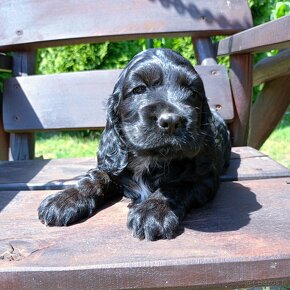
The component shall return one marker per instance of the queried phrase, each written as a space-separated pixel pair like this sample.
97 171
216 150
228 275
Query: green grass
66 145
84 144
277 145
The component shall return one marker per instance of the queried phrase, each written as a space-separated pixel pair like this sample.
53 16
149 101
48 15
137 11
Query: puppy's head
158 105
161 100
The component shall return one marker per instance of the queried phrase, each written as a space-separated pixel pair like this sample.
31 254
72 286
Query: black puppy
162 147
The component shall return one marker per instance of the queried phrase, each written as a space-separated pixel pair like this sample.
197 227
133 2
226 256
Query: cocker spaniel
163 148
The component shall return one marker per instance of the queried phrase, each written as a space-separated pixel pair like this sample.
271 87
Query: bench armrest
271 35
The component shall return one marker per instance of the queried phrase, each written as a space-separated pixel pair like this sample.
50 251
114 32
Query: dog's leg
153 219
73 204
158 217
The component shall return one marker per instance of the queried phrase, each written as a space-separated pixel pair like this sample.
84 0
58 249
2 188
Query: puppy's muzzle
164 117
169 122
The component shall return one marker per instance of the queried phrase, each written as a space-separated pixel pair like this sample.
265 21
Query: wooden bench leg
241 80
4 142
21 146
268 110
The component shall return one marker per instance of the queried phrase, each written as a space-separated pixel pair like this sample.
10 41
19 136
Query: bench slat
240 239
271 35
77 100
52 22
246 164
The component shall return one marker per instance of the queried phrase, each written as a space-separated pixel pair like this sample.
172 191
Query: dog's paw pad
64 208
152 220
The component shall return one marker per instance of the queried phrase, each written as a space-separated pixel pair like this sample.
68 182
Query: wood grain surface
240 239
52 22
271 35
246 164
78 100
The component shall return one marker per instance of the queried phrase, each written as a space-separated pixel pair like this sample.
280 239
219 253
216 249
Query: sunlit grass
277 145
65 145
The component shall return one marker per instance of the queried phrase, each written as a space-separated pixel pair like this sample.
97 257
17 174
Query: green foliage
88 56
264 11
120 53
104 55
261 10
71 58
183 45
281 9
3 76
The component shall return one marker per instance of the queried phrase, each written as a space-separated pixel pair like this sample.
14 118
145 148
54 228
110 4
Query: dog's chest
146 175
142 178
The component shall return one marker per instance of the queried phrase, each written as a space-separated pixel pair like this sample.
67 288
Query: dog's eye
139 90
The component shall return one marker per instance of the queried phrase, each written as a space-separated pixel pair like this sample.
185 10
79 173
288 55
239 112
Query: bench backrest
60 101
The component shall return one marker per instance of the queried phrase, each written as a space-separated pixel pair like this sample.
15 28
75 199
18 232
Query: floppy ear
206 112
113 153
205 109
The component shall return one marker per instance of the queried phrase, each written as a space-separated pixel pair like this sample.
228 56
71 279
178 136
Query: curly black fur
163 147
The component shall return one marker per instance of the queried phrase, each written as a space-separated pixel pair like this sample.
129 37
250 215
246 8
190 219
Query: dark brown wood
51 22
5 62
241 239
241 82
268 110
217 89
272 67
38 102
262 167
246 164
4 137
43 174
24 63
204 51
272 35
22 144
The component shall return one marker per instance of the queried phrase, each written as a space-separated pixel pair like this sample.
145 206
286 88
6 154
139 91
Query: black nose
169 122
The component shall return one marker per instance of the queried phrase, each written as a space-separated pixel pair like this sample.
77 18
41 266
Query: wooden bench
241 239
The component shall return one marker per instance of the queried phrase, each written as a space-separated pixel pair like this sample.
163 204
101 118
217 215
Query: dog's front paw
65 207
152 220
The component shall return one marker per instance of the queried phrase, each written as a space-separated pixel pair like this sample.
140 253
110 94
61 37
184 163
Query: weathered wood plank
268 110
227 242
51 22
270 68
241 83
22 144
246 163
38 102
261 167
4 138
271 35
43 174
